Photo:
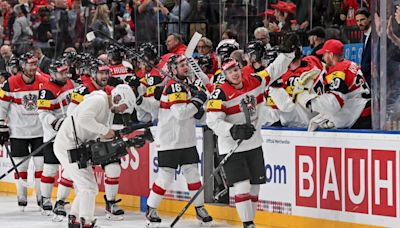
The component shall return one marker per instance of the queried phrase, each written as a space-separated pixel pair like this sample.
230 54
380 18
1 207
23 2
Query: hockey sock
64 188
160 186
47 179
243 200
192 176
254 191
22 192
38 162
111 182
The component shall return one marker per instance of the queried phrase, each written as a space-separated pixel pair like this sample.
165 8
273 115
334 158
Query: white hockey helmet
123 94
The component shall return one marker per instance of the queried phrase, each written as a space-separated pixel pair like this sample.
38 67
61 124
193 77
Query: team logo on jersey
30 101
251 104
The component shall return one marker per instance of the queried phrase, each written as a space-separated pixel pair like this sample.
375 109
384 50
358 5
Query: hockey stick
40 148
246 111
20 180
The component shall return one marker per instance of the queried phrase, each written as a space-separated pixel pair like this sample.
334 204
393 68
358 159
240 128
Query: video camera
96 152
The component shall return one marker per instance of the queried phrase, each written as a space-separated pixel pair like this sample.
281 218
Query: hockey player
176 140
224 50
100 74
119 72
13 66
89 121
281 91
53 101
255 51
18 98
225 118
150 86
345 101
206 64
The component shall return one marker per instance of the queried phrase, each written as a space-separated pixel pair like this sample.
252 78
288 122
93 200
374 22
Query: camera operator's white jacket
91 118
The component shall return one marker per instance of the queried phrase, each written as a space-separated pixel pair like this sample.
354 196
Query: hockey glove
242 131
4 132
199 114
158 92
56 124
133 81
199 98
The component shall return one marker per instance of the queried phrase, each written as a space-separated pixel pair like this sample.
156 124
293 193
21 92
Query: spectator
6 54
101 25
44 61
262 34
60 24
22 38
43 31
173 16
204 47
363 18
5 15
229 34
316 38
145 17
175 44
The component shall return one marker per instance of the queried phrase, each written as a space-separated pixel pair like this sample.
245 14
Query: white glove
303 97
320 121
307 78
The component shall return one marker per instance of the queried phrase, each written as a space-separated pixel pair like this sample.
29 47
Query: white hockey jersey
176 127
18 102
52 104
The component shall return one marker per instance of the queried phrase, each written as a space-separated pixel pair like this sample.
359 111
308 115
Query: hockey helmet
149 52
226 47
205 62
229 63
174 60
98 66
13 65
256 48
115 53
123 94
28 58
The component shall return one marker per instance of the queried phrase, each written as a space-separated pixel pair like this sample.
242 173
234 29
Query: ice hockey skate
113 212
59 211
249 225
153 220
203 217
73 222
46 206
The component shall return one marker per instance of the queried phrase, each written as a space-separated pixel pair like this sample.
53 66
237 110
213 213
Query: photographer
89 121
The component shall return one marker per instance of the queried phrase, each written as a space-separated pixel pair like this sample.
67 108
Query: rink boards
320 179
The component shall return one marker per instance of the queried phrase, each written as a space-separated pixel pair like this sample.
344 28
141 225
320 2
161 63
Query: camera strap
75 135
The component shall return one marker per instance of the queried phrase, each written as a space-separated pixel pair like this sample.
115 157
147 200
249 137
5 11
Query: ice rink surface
11 217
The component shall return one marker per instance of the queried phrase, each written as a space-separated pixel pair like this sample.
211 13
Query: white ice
11 217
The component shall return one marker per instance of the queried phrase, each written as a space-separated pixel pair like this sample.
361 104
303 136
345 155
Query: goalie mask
255 50
59 72
123 95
